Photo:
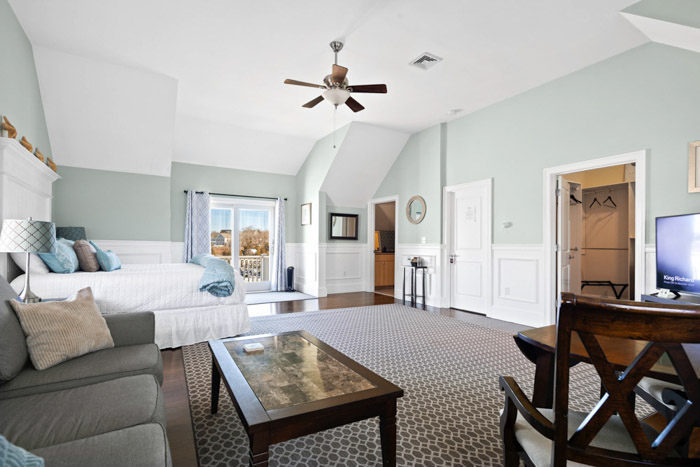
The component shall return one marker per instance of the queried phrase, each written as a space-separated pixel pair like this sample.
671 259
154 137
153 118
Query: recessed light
454 111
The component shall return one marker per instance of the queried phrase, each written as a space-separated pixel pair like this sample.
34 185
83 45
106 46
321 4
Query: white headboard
26 190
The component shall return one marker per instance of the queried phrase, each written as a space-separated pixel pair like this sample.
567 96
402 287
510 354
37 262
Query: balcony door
241 233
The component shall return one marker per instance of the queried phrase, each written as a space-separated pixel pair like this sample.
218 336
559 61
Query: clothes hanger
609 200
595 200
573 198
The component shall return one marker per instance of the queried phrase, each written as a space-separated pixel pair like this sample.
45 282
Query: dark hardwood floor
177 409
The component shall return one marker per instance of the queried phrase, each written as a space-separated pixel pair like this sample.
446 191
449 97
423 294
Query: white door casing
468 240
549 221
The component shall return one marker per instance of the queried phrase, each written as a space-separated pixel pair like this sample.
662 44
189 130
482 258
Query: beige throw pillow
59 331
87 256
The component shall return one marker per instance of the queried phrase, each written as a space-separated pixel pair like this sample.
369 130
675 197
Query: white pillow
36 265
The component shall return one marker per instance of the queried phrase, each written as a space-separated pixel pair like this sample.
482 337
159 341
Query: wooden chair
610 434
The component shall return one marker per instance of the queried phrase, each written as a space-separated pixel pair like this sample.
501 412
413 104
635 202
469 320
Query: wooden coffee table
299 385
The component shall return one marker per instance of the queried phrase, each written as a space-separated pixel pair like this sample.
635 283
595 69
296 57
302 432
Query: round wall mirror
415 209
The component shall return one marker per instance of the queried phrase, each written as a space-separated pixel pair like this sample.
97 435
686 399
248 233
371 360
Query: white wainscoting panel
518 284
433 255
141 251
345 266
305 259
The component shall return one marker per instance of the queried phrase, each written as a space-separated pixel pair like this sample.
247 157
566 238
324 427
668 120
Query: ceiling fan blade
312 103
374 88
338 74
354 105
302 83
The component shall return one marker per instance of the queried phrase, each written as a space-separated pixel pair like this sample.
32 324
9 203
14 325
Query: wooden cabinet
383 270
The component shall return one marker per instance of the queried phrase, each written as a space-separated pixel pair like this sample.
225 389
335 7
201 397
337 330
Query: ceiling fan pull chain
335 111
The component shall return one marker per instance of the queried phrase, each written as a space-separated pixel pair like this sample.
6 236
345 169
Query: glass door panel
222 233
253 232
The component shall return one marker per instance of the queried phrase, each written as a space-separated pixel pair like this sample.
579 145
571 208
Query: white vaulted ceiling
230 58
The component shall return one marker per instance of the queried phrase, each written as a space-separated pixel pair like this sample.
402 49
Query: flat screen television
678 253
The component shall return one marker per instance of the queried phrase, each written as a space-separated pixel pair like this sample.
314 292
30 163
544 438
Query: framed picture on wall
694 167
306 214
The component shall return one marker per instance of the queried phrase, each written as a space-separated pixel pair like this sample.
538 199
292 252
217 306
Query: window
241 232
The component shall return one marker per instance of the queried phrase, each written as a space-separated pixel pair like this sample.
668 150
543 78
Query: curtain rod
238 196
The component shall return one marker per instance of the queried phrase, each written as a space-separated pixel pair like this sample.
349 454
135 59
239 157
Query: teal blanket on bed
218 278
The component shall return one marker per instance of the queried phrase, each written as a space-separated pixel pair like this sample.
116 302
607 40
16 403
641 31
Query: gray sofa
105 408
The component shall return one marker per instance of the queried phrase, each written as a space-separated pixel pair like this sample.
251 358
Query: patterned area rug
448 369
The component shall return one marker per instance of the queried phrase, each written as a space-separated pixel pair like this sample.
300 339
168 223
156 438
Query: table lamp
27 236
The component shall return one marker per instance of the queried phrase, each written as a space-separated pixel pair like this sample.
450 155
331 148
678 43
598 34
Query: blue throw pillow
64 261
109 261
15 456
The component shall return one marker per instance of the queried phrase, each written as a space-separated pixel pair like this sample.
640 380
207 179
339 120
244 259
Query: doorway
596 232
384 247
241 234
560 247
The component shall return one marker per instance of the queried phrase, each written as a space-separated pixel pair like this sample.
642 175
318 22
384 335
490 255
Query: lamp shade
27 235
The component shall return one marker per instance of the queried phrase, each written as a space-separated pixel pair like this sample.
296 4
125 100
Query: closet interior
601 211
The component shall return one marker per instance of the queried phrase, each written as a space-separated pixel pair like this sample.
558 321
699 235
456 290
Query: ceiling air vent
426 60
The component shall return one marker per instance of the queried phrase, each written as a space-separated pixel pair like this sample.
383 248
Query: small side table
414 276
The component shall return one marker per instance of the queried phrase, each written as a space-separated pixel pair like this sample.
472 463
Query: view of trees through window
253 240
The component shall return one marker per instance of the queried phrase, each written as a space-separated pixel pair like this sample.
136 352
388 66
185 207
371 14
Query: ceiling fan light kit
336 88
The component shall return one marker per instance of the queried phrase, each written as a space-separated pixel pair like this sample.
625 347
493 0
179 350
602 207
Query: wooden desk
538 346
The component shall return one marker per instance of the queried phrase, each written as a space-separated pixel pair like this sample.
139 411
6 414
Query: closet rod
239 196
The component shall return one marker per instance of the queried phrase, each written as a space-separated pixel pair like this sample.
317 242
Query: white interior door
470 247
575 236
568 238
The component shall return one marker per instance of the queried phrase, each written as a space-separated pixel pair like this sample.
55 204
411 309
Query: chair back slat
665 328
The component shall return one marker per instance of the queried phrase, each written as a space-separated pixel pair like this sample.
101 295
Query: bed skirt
186 326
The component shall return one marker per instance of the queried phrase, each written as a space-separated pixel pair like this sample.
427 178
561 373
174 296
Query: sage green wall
686 12
234 181
646 98
417 171
20 98
309 180
113 205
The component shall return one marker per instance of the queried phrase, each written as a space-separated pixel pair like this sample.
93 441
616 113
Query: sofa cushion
13 346
60 331
57 417
142 445
91 368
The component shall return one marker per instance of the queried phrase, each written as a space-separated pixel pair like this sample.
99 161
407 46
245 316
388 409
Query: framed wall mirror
343 226
694 168
415 209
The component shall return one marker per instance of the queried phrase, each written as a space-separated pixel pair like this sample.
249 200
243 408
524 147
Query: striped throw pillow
60 331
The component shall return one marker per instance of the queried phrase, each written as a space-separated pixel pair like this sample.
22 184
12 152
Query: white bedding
184 315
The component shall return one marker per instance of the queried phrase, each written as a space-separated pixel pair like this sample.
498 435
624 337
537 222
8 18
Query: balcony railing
254 268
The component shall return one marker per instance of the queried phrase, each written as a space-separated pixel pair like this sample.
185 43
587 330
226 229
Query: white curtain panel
197 225
278 279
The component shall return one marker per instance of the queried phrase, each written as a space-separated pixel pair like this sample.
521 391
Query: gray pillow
13 347
87 256
60 331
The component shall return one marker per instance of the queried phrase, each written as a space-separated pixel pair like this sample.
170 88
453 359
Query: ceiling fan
336 88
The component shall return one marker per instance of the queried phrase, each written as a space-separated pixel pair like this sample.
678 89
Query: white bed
183 314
